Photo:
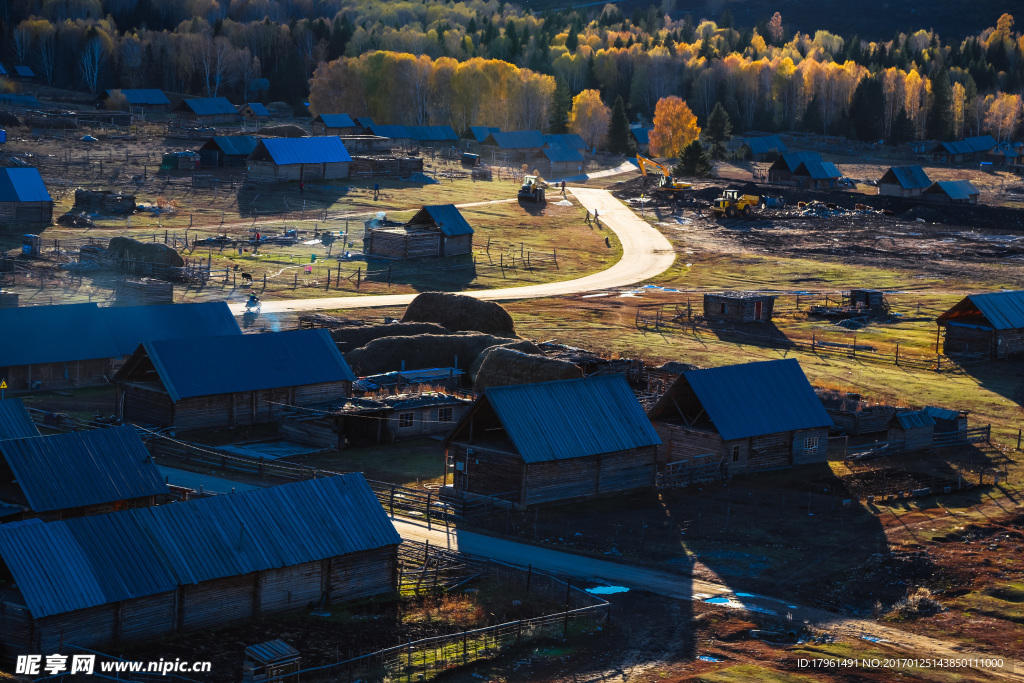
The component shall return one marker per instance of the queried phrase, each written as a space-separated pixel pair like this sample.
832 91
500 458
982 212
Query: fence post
529 575
428 510
897 353
1018 439
392 503
568 596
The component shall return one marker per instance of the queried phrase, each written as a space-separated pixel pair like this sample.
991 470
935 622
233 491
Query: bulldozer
732 203
532 189
666 183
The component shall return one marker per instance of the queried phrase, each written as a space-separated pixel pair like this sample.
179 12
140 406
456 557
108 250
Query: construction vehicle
732 203
666 182
532 189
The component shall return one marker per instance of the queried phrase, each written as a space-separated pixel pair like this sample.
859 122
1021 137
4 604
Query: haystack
285 130
460 313
420 351
147 252
523 346
350 338
502 367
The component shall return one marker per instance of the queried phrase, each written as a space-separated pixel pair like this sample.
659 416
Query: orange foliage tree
589 117
675 127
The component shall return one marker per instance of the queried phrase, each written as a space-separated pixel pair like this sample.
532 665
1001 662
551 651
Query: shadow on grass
451 274
268 199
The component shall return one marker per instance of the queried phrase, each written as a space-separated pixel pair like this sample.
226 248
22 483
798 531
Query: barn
785 167
952 192
433 136
517 144
302 159
816 174
565 141
226 150
477 134
553 442
439 230
147 99
557 160
399 135
760 147
740 307
207 110
335 124
992 324
641 137
969 149
752 417
912 430
78 473
264 552
903 181
24 197
229 381
254 111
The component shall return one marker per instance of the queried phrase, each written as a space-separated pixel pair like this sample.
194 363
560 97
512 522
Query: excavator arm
646 164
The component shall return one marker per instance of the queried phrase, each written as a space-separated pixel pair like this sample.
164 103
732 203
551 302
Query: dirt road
685 587
645 254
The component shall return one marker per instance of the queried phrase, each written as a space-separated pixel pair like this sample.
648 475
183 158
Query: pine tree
572 40
718 130
694 161
902 128
939 124
618 129
867 110
561 103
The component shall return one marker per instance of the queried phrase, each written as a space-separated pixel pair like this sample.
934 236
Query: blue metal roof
390 131
69 565
908 177
143 96
258 108
336 121
1003 310
516 139
752 399
22 185
763 144
941 413
3 71
23 71
364 121
571 418
819 170
232 145
480 133
563 154
432 133
132 325
15 422
72 470
27 101
206 366
915 419
954 189
567 140
51 334
792 160
642 134
210 106
448 219
326 149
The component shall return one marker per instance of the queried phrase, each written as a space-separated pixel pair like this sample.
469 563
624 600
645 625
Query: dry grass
459 609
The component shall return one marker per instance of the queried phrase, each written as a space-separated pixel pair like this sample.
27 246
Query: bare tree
21 40
90 61
45 55
249 68
223 56
130 53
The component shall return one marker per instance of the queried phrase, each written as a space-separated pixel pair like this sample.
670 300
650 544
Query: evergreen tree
867 110
939 124
811 121
694 161
561 103
718 130
902 128
572 41
618 129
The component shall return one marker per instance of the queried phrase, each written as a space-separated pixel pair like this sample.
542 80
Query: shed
229 381
335 124
208 110
741 307
23 72
15 422
521 144
913 430
480 133
991 324
399 135
903 181
152 99
553 442
274 660
816 174
565 141
433 136
783 168
254 111
79 473
226 150
641 136
753 416
558 160
949 424
438 230
952 192
20 101
761 147
264 552
24 197
302 159
969 149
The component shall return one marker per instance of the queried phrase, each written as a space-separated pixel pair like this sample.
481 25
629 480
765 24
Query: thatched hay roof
420 351
503 367
350 338
460 313
522 346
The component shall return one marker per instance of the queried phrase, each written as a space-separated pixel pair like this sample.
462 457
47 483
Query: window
405 420
444 414
735 453
811 446
724 308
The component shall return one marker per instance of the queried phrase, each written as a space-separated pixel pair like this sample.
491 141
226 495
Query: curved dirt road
645 254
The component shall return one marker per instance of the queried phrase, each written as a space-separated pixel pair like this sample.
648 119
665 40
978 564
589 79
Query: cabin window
735 453
406 420
444 414
724 309
811 446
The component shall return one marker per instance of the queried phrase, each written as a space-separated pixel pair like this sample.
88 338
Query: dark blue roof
143 96
26 101
763 144
76 469
570 418
909 177
156 547
1003 310
752 399
210 106
15 422
132 325
915 419
326 149
941 413
22 185
3 71
818 170
364 121
642 134
51 334
563 154
390 131
448 219
978 143
206 366
792 160
232 145
24 71
258 108
954 189
516 139
336 120
568 140
480 133
432 133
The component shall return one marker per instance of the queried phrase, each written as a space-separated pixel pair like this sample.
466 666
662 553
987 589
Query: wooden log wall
58 375
1009 342
362 574
681 443
486 472
770 452
398 244
15 629
966 339
145 405
627 470
460 244
388 166
800 439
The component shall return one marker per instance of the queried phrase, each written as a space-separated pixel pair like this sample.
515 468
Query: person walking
376 191
563 188
302 187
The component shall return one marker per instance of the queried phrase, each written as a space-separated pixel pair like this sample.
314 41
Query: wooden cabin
226 150
903 181
558 160
301 159
143 99
741 307
816 175
24 197
785 167
207 111
974 148
254 112
78 473
759 147
553 442
263 552
751 417
950 425
952 192
439 230
406 381
514 144
912 430
992 324
335 124
229 381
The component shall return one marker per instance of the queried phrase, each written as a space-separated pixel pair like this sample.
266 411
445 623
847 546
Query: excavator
666 183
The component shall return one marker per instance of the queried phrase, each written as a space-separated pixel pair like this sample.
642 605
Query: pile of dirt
925 213
285 130
350 338
387 354
523 346
707 194
460 313
147 252
502 367
631 187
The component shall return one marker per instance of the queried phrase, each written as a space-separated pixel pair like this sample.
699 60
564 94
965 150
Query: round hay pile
502 367
349 338
460 313
285 130
149 252
523 346
420 351
8 119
